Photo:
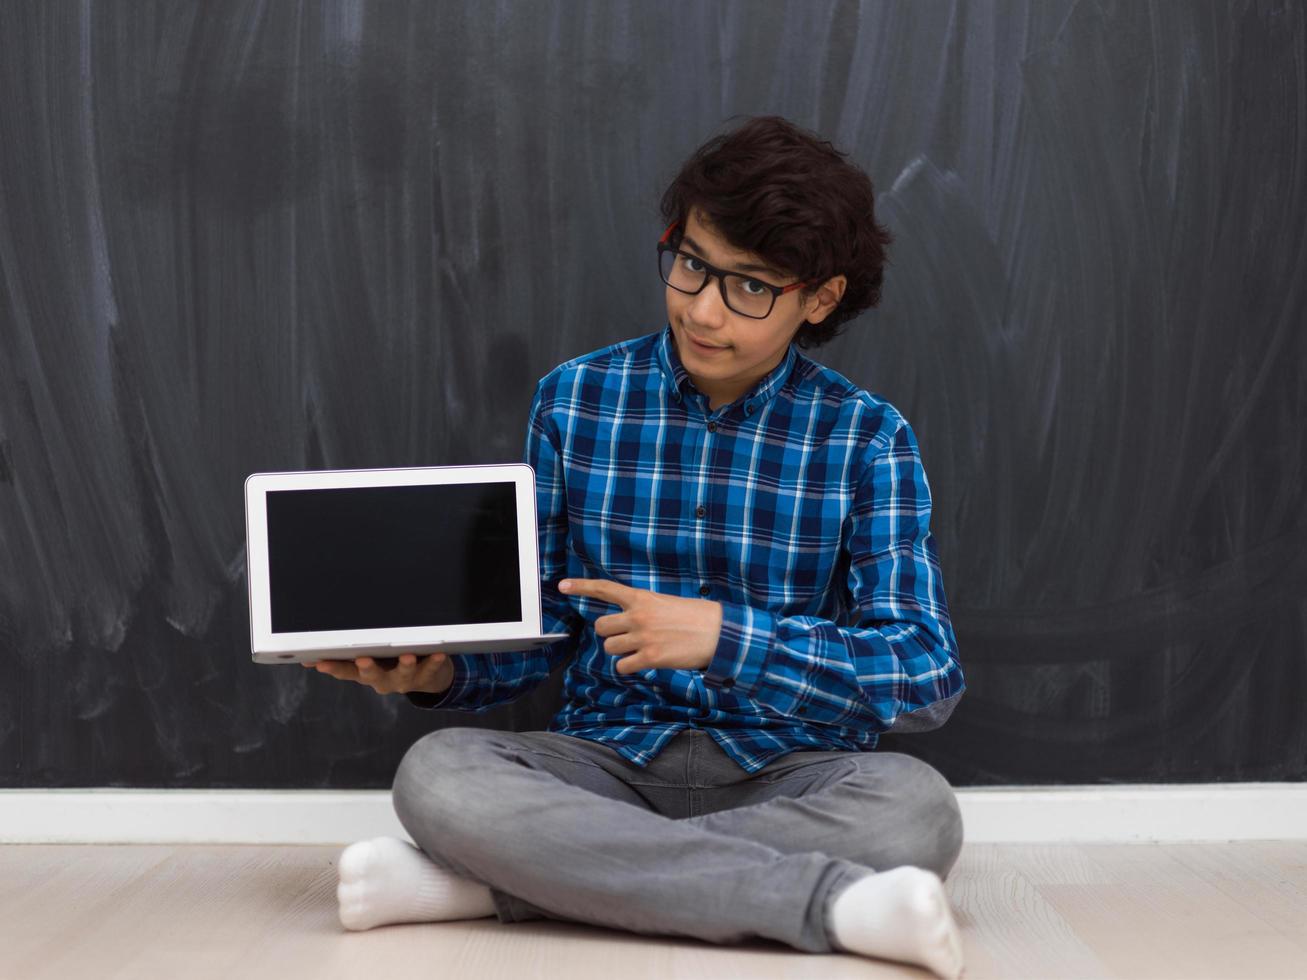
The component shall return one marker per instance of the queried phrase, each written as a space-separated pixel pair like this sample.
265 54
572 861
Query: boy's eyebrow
687 240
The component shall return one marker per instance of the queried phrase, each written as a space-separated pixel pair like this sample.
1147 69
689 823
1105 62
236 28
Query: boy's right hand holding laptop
431 674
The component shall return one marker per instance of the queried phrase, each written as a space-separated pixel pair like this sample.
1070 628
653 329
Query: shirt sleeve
895 668
482 681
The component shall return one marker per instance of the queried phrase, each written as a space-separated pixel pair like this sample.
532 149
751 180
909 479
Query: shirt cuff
448 697
746 641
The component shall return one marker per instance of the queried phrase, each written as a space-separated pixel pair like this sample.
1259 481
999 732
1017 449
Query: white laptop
374 563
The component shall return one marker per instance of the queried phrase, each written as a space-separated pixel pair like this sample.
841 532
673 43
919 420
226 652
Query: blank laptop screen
380 557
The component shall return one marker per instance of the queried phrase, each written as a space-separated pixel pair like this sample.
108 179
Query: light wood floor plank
1008 929
1159 919
1268 878
1231 911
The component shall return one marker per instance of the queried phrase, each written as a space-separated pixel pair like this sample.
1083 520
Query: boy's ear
826 298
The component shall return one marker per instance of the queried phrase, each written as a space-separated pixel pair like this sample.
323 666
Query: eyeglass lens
745 296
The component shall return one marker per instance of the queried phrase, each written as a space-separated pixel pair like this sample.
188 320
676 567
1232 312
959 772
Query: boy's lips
704 347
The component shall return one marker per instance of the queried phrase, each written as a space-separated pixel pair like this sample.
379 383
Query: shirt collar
677 378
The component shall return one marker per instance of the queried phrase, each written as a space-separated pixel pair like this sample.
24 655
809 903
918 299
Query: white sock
900 914
386 880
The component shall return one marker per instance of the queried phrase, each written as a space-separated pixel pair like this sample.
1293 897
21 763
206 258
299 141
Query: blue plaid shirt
802 507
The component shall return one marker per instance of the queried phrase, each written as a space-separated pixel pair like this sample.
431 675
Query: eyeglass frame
720 274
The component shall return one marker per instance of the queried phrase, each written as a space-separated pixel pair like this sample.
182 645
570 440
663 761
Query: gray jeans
562 827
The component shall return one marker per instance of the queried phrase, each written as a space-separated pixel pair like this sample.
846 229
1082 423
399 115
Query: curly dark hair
789 196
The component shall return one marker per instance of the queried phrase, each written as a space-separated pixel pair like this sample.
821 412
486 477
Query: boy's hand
433 675
653 631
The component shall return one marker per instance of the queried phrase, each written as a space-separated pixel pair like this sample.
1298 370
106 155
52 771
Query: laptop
374 563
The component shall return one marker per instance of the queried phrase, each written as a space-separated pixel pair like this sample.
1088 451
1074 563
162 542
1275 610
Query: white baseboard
1221 811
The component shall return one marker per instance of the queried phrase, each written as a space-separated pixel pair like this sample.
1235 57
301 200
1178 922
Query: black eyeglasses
742 294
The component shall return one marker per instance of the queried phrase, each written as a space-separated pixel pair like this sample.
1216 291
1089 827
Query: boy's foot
387 880
900 914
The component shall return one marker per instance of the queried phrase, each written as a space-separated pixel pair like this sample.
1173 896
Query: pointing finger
596 588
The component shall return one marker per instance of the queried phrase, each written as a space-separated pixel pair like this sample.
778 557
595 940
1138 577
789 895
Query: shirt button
728 682
803 711
700 511
748 409
705 589
712 426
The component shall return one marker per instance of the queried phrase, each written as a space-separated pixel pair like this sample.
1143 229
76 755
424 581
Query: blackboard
237 238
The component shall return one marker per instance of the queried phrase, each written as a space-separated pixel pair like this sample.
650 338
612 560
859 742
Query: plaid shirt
802 508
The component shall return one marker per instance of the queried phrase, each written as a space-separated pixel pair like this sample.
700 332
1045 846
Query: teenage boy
737 539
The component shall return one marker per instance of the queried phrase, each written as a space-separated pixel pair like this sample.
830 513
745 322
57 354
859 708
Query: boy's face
741 350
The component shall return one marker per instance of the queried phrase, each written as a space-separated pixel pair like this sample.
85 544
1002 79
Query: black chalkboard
237 238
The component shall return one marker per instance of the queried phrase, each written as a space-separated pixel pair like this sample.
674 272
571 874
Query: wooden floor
1234 911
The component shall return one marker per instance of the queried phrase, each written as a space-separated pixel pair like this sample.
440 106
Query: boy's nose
707 306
